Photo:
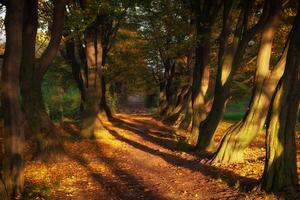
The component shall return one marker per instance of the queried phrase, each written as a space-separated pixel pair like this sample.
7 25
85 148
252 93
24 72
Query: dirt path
136 158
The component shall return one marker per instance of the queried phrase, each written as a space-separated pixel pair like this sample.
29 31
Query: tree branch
56 35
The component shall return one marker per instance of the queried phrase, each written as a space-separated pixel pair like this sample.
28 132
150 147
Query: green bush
60 92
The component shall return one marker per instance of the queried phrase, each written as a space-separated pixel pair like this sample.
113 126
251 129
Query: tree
280 170
127 72
241 134
228 64
98 34
93 84
167 28
205 13
12 180
33 71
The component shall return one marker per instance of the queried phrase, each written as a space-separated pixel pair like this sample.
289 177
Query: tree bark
13 162
43 129
93 84
205 13
77 66
280 171
229 65
104 108
242 133
186 122
174 111
204 142
97 39
167 87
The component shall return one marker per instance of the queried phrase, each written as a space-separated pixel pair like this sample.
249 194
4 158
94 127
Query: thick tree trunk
280 170
242 133
167 87
162 97
208 126
93 85
170 80
174 111
200 80
46 134
13 162
95 106
104 108
205 14
186 121
30 23
44 131
226 70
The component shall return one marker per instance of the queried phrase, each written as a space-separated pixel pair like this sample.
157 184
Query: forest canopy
216 80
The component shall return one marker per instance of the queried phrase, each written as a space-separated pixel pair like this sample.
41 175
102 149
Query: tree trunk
226 70
167 87
186 122
77 66
173 112
162 97
46 134
104 108
30 23
200 80
242 133
280 170
221 93
95 106
205 14
44 131
13 161
93 85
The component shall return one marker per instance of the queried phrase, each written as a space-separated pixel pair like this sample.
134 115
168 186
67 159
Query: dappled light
139 158
154 100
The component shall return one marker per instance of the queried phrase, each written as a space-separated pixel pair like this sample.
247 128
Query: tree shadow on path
139 128
120 184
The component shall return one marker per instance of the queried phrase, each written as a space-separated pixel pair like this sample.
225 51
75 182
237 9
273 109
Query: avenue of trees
194 58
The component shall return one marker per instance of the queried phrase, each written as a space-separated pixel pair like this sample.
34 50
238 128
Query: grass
233 116
235 110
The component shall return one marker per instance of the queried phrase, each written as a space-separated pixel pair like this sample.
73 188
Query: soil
138 157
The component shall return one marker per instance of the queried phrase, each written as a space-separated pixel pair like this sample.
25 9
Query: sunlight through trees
158 99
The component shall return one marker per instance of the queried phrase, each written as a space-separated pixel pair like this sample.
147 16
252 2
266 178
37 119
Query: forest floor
138 157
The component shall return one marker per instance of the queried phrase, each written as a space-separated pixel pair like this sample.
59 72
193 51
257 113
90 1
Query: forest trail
136 158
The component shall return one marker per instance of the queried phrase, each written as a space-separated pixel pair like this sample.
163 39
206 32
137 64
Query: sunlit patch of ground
137 157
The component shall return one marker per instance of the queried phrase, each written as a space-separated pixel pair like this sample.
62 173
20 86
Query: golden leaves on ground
137 157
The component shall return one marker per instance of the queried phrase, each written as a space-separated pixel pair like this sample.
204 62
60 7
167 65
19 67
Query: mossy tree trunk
280 170
240 135
12 177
